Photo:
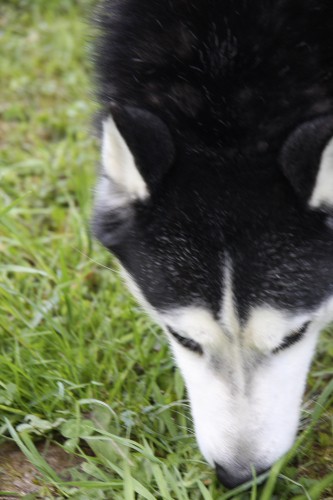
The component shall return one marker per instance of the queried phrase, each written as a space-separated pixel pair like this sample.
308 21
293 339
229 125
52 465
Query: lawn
88 391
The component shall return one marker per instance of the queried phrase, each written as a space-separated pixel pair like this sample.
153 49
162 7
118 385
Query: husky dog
215 193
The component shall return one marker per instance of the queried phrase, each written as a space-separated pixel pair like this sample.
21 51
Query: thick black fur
242 97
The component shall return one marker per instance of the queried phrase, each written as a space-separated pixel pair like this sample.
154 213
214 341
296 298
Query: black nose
230 478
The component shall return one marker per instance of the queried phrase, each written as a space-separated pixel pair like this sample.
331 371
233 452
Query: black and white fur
216 194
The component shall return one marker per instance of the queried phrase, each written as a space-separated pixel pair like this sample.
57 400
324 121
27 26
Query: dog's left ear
137 150
307 162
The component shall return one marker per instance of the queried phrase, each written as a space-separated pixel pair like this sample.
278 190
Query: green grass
80 364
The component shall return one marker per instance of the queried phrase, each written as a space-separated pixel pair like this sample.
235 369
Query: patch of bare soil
17 475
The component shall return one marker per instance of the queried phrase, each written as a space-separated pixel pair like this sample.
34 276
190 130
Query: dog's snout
230 478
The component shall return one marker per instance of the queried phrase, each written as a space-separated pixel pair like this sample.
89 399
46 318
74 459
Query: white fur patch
195 323
267 327
323 191
118 162
109 195
228 314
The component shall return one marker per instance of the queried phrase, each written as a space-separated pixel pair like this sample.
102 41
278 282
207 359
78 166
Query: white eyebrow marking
267 327
195 322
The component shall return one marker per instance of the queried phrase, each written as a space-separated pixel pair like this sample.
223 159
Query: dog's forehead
213 295
264 327
184 270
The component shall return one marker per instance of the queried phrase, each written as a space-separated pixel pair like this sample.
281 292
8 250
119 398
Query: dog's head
231 251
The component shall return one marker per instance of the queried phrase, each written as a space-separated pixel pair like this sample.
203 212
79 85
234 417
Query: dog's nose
232 478
229 479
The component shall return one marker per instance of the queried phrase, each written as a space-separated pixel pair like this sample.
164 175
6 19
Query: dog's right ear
137 150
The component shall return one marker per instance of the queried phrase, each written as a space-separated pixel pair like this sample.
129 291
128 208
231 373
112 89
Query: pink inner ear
301 155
